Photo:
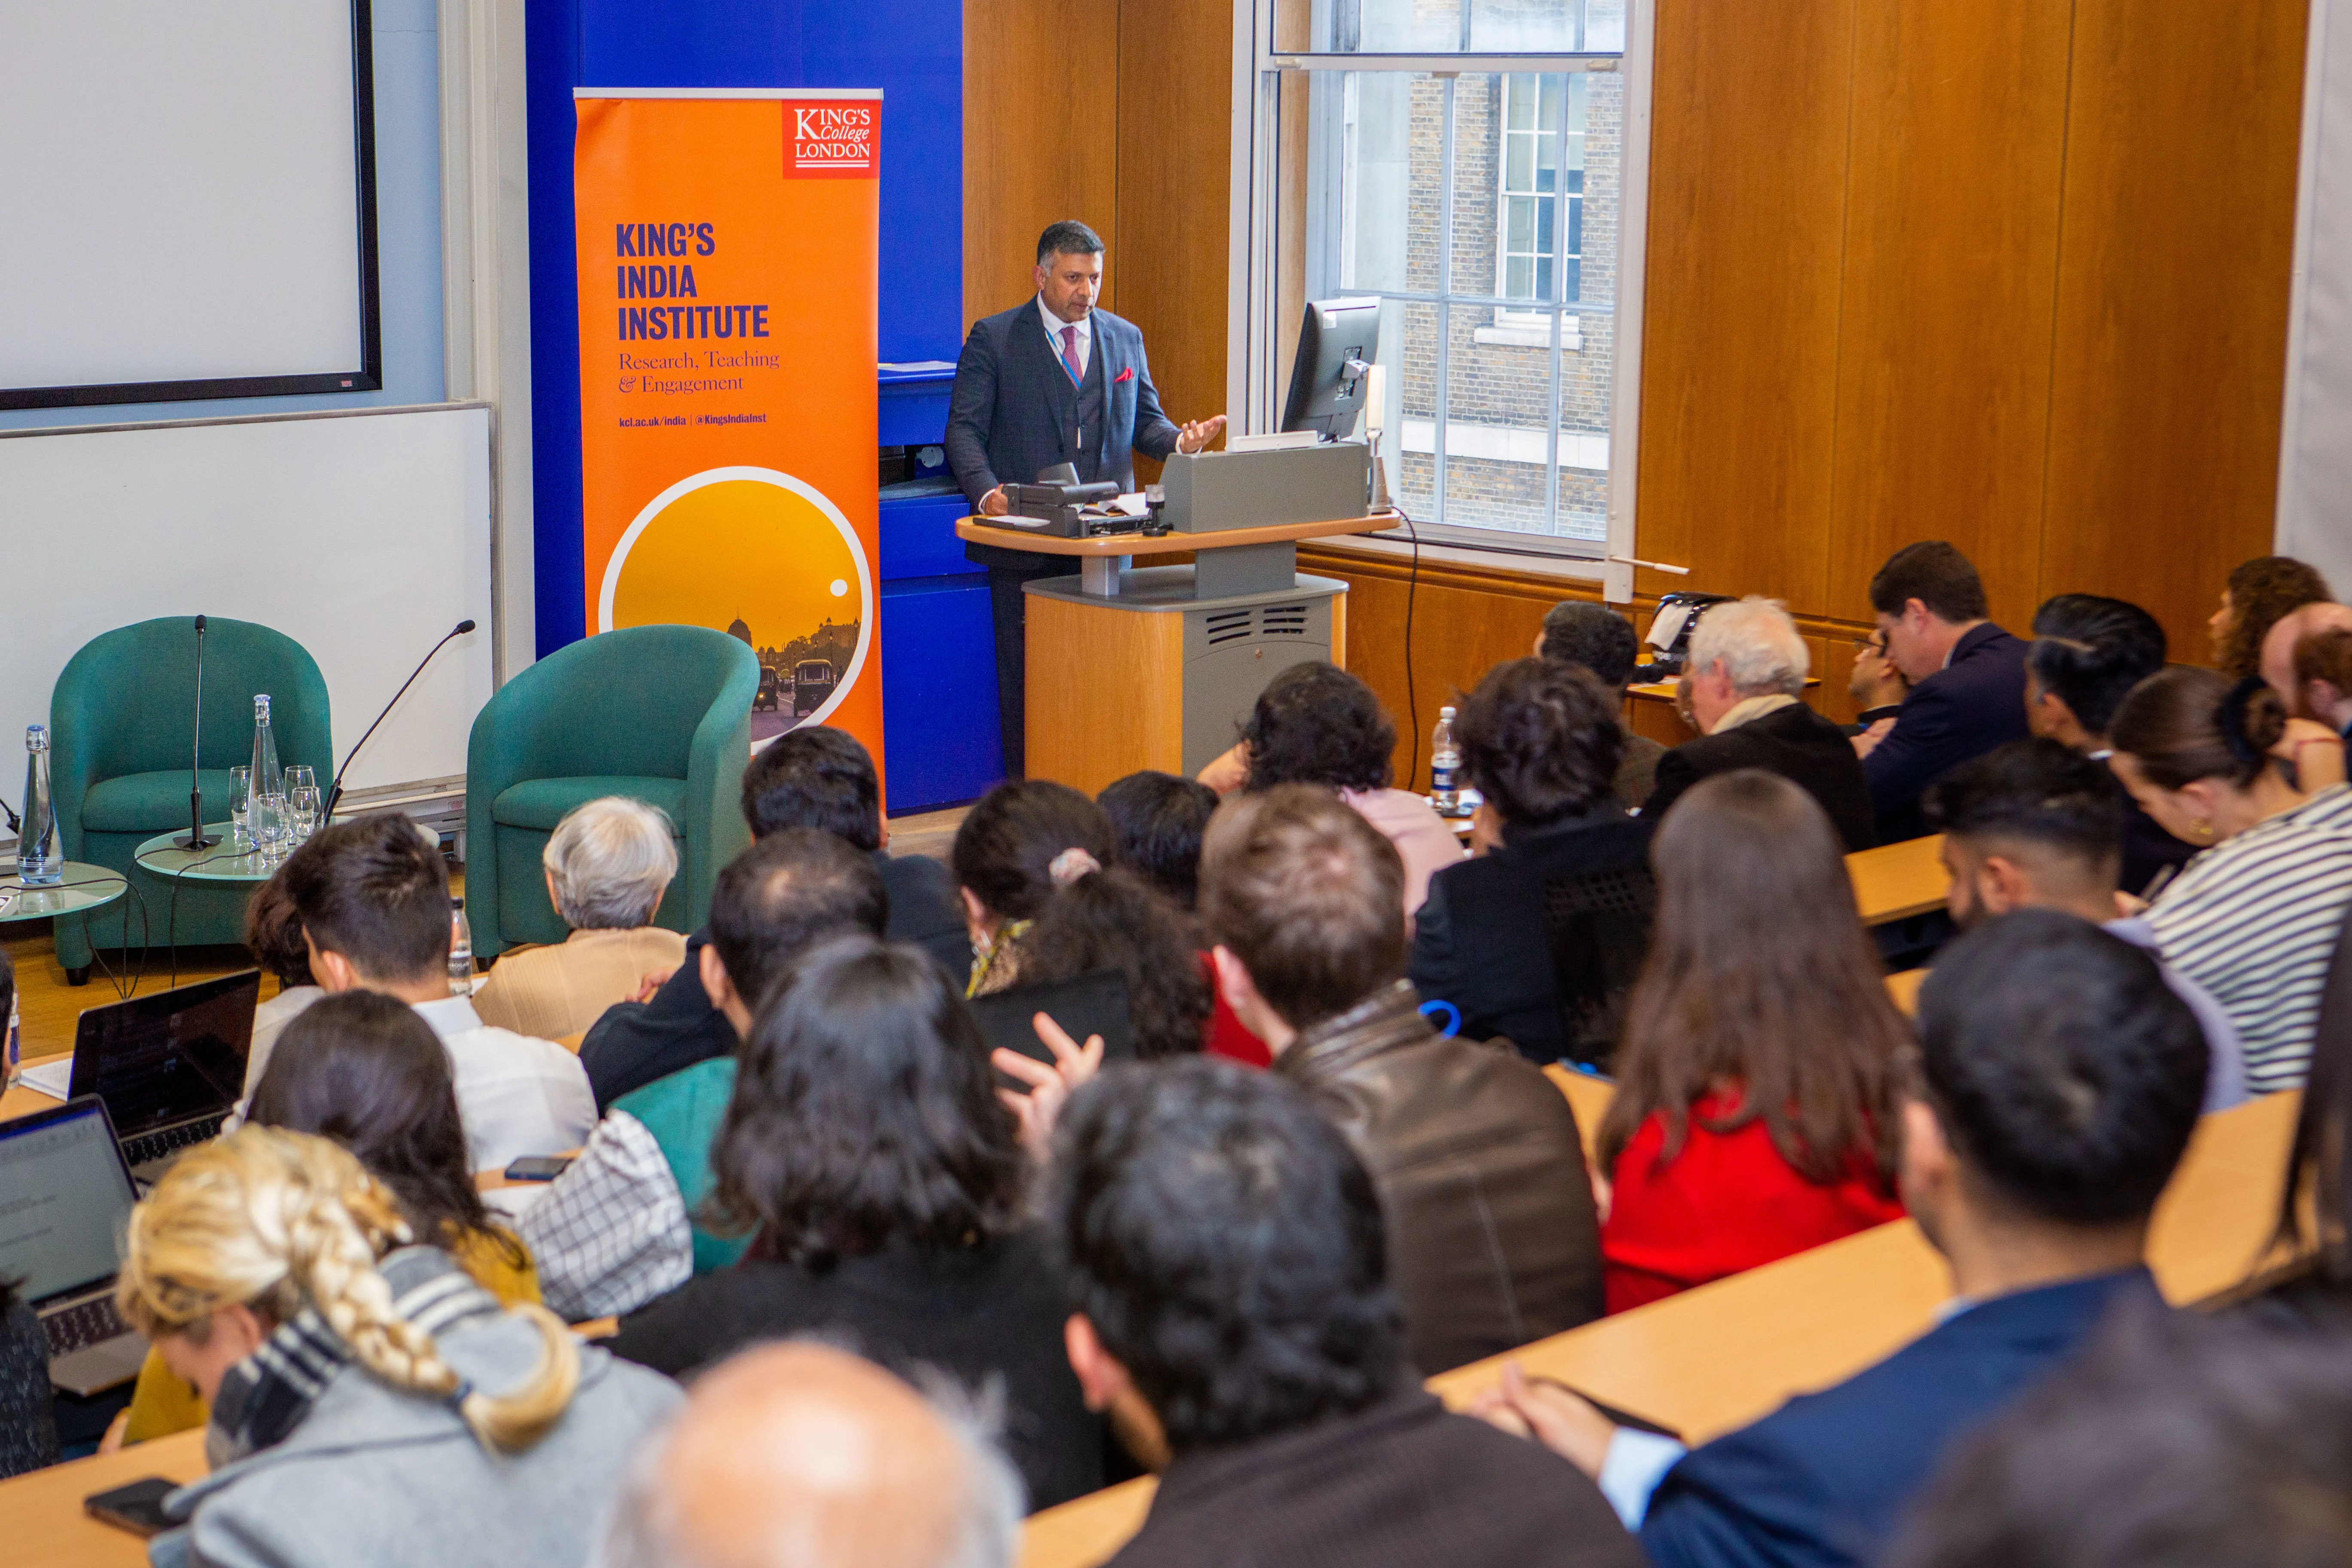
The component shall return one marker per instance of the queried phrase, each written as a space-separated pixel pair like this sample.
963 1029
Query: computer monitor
1331 376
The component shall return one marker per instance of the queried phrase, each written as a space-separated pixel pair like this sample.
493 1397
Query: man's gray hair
611 860
1758 645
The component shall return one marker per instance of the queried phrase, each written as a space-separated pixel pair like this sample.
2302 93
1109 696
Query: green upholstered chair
118 724
662 714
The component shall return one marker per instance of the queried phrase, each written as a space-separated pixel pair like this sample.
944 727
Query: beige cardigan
554 992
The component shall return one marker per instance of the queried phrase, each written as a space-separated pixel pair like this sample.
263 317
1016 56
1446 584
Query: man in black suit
1224 1253
1746 668
1051 381
1964 680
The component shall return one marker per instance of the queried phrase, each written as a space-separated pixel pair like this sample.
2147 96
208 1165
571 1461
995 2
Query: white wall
2315 520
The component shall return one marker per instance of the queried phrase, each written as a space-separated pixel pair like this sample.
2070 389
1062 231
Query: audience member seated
799 1456
2281 651
2086 654
1540 740
1754 1114
2036 826
370 1403
1597 638
2177 1442
1746 672
2259 592
1317 724
2057 1083
1018 846
2323 680
2312 1287
29 1434
366 1071
1223 1254
1951 681
625 1223
1159 819
2254 918
810 777
273 935
1108 918
608 863
374 904
885 1186
1475 1153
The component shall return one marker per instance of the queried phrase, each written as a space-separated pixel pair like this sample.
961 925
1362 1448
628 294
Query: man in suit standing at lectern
1052 380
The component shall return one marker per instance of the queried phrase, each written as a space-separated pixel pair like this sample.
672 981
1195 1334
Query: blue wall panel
938 691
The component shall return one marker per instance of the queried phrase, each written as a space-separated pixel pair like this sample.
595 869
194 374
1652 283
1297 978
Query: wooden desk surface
44 1513
1897 880
1663 690
974 532
21 1101
1716 1358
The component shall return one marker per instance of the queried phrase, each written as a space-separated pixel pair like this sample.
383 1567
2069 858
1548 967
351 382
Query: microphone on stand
326 811
195 838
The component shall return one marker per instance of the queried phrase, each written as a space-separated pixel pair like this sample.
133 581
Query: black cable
1411 697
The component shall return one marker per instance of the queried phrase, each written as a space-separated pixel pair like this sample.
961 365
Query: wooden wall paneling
1175 138
1950 266
1040 136
1747 177
2169 362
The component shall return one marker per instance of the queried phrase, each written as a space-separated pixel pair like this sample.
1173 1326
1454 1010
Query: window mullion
1444 306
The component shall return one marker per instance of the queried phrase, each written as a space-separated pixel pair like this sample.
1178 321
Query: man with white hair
1746 672
799 1456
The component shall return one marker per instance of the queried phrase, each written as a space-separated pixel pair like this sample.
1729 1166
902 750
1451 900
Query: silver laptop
65 1199
170 1067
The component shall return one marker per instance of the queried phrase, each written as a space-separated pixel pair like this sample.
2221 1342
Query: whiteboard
189 198
364 537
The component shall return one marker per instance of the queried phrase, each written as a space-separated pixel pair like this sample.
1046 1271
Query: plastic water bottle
461 950
38 862
264 810
14 1053
1444 765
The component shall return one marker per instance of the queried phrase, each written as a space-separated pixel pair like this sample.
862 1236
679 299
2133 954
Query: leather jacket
1492 1238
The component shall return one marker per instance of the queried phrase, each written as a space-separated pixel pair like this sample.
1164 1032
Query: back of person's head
377 894
784 894
1007 845
363 1070
1541 740
2183 723
2261 591
608 863
1594 637
1159 818
2324 655
2065 1074
2176 1441
1736 989
2315 1216
1316 723
282 1221
1227 1247
1757 642
1304 893
1108 918
865 1114
273 926
2091 651
1935 573
803 1455
815 777
2040 802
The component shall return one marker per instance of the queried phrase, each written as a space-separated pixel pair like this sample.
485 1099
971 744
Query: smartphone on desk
137 1508
538 1167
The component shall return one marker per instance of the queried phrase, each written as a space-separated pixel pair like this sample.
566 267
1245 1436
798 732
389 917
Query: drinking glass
240 795
301 811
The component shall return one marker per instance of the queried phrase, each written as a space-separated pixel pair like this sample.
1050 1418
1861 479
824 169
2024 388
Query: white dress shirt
516 1095
1053 327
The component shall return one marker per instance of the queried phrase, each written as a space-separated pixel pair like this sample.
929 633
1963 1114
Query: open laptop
68 1198
170 1067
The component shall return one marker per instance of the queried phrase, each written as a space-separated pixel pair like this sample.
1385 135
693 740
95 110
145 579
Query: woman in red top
1755 1114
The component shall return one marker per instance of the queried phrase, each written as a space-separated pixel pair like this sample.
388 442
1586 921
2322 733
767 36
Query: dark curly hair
1316 723
1005 846
273 927
1112 920
2260 592
1541 740
864 1114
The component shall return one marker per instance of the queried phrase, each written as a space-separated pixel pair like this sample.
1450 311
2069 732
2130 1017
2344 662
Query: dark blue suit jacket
1824 1481
1963 709
1014 413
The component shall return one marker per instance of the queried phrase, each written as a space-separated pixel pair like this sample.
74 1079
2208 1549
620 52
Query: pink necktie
1070 353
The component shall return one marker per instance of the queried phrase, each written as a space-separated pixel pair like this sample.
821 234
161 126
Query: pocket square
1126 375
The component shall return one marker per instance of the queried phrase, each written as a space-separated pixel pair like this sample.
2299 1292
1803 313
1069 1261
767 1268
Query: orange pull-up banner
727 248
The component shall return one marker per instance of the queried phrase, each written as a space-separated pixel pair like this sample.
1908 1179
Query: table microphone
194 837
326 811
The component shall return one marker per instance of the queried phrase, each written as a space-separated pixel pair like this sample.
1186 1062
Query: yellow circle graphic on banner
761 556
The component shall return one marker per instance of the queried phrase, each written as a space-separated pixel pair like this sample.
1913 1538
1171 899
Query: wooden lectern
1156 666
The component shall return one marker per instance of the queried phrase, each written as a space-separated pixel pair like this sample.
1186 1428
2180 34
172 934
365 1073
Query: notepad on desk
52 1079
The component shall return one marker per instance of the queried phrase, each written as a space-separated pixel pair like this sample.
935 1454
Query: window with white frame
1466 163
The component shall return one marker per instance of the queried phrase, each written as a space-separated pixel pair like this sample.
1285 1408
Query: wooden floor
931 833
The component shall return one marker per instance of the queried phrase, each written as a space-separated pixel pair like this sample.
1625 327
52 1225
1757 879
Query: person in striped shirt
2254 918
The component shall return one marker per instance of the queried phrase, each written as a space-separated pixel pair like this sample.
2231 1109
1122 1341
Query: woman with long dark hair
1754 1114
882 1184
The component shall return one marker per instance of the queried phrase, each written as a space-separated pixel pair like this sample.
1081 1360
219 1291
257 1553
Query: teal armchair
119 740
662 714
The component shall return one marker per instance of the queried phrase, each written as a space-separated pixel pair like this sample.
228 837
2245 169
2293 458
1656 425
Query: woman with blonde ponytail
371 1404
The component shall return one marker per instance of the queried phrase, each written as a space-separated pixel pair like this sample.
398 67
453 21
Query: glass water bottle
39 863
265 805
